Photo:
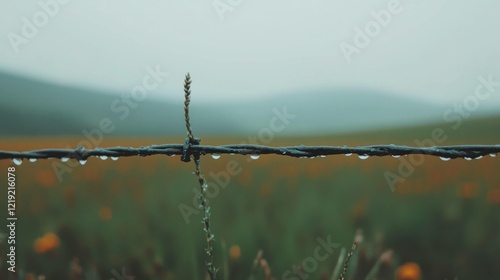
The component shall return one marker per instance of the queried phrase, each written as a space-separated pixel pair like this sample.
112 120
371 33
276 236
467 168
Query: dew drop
322 156
172 155
396 156
216 156
363 156
17 161
82 161
64 159
467 158
348 155
444 158
254 156
32 159
479 157
493 155
114 158
103 157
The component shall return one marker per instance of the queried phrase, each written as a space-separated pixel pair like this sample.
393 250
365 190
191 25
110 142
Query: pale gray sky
431 49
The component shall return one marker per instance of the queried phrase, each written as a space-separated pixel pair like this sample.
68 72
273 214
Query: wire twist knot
186 151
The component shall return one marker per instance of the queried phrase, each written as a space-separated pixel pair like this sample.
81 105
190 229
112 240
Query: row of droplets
18 161
363 156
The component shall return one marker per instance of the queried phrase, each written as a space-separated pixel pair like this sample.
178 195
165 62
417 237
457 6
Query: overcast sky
241 49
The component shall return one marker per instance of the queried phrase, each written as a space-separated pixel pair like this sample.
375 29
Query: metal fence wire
192 147
186 150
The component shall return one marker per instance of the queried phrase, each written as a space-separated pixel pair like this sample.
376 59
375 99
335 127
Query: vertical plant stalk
346 264
338 266
187 100
211 269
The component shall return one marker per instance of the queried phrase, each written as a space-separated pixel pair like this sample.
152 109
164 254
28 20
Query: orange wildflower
467 190
409 271
493 196
105 213
46 243
235 252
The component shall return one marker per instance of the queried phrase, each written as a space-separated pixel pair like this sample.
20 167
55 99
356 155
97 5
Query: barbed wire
81 153
191 148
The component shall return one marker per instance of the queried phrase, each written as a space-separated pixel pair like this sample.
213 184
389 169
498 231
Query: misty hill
29 107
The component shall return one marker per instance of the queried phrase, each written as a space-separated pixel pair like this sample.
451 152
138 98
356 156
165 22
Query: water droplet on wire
254 156
114 158
32 159
444 158
103 157
363 156
493 155
479 157
17 161
348 155
64 159
216 156
322 156
396 156
82 161
467 158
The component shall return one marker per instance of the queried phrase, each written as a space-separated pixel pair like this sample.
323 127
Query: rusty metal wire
81 153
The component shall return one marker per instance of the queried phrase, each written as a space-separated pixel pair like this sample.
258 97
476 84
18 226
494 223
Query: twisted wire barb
81 153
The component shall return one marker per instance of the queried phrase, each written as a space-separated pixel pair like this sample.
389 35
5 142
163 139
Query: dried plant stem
211 269
187 100
346 264
338 266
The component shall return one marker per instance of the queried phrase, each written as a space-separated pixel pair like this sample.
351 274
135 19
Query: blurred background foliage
109 215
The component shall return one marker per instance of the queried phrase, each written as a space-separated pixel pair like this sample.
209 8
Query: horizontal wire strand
81 153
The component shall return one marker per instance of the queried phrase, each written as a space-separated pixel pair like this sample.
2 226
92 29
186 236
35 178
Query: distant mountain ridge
29 107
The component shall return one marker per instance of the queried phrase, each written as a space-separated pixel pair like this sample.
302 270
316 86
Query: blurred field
109 215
